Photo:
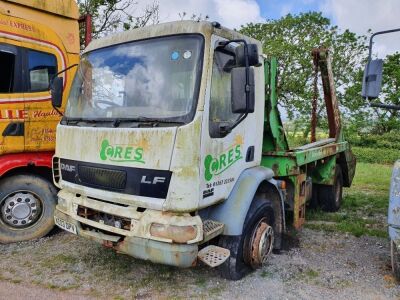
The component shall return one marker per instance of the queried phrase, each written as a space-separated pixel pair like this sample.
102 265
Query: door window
41 68
7 63
220 98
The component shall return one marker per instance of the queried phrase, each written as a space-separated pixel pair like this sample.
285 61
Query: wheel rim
261 243
20 209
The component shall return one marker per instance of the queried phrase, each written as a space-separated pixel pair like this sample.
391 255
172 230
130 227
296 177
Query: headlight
62 203
178 234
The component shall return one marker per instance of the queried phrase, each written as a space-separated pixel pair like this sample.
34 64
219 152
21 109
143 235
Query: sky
356 15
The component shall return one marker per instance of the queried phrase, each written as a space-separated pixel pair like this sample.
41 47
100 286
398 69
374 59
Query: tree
194 17
117 15
291 39
387 120
366 119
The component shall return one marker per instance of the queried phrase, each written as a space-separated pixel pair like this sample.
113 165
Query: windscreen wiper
116 122
68 121
155 122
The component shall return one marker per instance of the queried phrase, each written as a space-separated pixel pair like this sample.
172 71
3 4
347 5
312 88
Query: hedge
376 155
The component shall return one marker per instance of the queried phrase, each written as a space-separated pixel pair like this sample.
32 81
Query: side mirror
56 90
239 88
254 58
372 80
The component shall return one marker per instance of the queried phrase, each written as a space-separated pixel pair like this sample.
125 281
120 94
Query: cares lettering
121 153
217 165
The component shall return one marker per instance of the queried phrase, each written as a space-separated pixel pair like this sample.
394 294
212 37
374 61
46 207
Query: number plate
65 225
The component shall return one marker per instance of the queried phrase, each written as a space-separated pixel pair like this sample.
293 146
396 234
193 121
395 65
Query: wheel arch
27 163
252 183
269 190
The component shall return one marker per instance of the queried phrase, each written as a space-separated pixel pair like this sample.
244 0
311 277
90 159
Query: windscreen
154 79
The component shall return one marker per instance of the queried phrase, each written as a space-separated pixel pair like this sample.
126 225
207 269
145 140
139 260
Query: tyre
314 203
395 258
252 248
330 196
27 205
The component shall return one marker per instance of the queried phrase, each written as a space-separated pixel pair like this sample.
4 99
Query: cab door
40 66
224 154
11 99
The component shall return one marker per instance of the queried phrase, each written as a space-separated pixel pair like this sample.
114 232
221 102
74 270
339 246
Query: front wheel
395 258
251 249
27 205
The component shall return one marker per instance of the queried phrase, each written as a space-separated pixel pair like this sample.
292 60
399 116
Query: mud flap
347 162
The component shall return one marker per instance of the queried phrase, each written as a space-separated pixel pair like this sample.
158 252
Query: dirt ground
316 265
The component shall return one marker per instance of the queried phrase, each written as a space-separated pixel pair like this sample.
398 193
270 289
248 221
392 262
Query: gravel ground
317 265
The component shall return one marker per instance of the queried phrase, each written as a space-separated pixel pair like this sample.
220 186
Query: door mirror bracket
242 80
56 89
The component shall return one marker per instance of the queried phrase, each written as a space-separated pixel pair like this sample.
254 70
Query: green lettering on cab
121 153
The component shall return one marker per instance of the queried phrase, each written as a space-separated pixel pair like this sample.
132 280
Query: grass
266 274
57 260
364 206
308 275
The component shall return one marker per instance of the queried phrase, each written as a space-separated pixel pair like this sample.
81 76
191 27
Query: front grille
100 177
104 218
56 170
120 179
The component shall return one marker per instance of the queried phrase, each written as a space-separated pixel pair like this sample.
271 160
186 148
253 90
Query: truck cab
159 154
37 40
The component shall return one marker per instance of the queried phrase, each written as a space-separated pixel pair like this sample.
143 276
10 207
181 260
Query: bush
389 140
376 155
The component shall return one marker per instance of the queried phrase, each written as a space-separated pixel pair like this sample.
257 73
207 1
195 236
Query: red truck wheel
27 205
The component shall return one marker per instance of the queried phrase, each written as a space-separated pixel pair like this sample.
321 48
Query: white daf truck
172 149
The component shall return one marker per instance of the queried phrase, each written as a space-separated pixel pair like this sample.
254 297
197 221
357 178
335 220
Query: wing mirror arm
372 88
243 61
56 88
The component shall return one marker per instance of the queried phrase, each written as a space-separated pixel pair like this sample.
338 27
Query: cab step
211 229
213 256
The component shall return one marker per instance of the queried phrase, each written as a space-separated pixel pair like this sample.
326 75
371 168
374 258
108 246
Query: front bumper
180 255
135 236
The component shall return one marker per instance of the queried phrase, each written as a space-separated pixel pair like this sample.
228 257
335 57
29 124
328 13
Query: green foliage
113 15
389 140
375 148
291 39
376 155
387 120
365 119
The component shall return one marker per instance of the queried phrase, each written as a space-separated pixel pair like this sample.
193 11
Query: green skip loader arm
306 167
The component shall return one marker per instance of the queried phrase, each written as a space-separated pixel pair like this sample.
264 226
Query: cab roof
66 8
170 28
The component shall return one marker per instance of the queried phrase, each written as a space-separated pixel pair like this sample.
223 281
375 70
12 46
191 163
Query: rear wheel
27 205
314 202
252 248
395 258
330 196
